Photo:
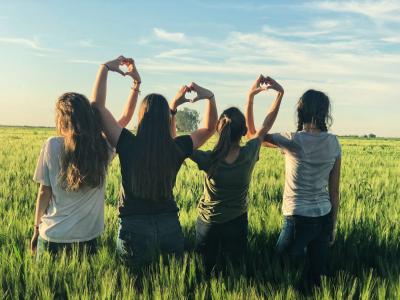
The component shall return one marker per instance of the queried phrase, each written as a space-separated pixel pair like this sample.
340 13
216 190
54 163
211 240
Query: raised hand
113 65
34 242
257 86
272 84
132 70
180 97
263 83
202 93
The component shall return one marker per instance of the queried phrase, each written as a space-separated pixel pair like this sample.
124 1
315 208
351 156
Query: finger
260 89
120 72
195 99
193 86
121 58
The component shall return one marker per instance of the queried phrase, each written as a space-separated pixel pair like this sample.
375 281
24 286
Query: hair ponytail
231 127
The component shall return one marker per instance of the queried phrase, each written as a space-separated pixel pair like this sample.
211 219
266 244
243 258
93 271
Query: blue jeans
303 237
54 248
222 241
142 238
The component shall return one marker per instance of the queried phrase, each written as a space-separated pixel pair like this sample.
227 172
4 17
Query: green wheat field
364 261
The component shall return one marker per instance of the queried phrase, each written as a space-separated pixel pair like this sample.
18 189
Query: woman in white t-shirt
71 171
312 174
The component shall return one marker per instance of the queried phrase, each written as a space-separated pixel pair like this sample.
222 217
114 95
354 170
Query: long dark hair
314 107
155 153
85 156
231 127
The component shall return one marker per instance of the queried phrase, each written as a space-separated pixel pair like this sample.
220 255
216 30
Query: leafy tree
187 119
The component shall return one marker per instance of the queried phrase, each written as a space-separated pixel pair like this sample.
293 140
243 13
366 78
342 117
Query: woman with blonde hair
71 171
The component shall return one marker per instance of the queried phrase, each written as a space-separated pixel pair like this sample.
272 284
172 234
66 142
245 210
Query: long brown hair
231 127
314 107
155 154
85 156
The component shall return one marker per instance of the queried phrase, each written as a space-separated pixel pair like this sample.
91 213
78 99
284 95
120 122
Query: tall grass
364 261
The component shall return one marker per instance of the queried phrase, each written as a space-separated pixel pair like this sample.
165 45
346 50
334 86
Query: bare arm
273 111
207 129
251 129
111 127
269 141
130 105
178 100
42 202
334 194
173 124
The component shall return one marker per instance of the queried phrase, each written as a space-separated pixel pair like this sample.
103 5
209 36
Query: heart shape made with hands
123 68
266 82
191 96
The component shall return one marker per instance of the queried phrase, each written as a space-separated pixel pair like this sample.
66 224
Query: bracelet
173 111
107 67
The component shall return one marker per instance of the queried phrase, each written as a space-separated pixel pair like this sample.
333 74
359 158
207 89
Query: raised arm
178 100
130 105
334 181
272 112
42 202
254 90
207 129
111 127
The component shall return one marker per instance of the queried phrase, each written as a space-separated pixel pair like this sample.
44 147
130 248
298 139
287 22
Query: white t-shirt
71 216
309 159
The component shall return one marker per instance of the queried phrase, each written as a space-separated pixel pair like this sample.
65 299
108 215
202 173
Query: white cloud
24 42
386 10
169 36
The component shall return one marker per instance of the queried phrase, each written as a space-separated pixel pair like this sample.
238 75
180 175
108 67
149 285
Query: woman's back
309 160
130 202
72 216
225 191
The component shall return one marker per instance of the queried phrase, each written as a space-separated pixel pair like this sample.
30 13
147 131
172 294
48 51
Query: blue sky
349 49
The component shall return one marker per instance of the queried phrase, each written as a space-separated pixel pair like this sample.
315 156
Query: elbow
211 131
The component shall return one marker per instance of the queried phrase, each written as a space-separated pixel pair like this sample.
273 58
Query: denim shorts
142 238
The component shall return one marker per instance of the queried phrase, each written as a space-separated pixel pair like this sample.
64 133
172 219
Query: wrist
105 66
173 105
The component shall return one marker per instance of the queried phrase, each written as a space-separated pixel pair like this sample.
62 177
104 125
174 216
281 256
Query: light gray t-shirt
71 216
309 159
